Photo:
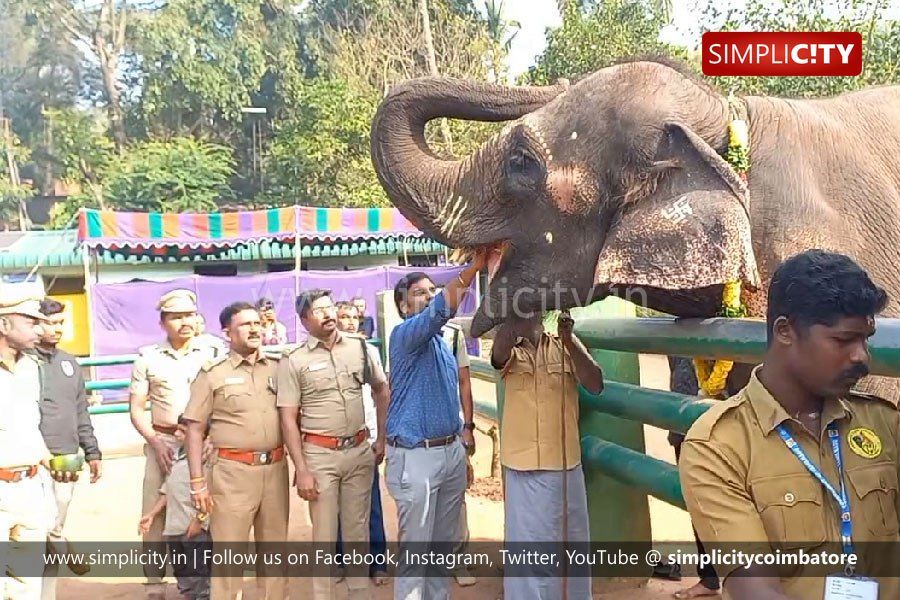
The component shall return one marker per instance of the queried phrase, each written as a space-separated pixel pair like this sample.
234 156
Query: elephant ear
692 231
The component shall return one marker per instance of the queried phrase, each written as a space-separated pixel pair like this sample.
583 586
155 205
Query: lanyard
841 498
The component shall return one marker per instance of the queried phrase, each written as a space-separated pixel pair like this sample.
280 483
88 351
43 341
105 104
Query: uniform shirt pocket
876 498
520 375
791 510
234 396
322 380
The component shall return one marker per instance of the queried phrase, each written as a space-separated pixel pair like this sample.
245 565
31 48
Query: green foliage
202 61
594 35
12 193
319 68
79 145
177 175
320 154
881 42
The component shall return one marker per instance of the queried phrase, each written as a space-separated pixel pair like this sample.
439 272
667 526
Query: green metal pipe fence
121 384
741 340
653 476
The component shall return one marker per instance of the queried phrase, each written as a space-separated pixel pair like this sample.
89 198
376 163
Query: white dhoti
534 521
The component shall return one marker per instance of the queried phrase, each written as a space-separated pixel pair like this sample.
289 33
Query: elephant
617 185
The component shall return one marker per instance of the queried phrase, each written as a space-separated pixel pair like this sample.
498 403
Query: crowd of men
763 466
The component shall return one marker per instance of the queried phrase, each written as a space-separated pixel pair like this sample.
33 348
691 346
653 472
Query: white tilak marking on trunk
448 218
449 215
444 212
459 214
574 135
440 215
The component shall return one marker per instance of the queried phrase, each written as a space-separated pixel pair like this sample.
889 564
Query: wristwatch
470 426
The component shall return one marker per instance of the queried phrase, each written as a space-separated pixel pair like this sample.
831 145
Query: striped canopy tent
188 234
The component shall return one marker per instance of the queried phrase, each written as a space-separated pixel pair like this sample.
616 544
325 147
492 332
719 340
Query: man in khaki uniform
25 510
248 484
163 374
540 450
741 471
323 419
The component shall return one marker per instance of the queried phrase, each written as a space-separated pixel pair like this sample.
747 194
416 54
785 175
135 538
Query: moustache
856 372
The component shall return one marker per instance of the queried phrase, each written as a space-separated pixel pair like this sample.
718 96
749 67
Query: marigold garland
712 379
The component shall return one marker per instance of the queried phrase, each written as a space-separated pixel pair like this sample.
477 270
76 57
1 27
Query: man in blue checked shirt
426 460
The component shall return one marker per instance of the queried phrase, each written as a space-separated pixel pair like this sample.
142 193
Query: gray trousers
533 513
428 486
63 494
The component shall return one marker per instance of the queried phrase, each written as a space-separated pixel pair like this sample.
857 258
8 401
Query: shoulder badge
144 350
703 427
290 350
864 397
208 366
864 442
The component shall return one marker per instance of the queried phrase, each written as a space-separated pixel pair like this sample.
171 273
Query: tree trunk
432 65
109 43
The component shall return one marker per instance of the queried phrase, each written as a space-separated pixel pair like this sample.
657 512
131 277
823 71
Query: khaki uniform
532 428
534 472
26 508
236 396
743 486
164 375
327 386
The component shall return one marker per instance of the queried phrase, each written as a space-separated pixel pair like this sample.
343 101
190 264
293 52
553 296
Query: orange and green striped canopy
208 232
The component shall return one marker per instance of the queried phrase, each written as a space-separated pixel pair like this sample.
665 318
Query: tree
203 61
501 33
102 32
320 155
428 42
13 192
80 150
177 175
354 51
37 71
594 35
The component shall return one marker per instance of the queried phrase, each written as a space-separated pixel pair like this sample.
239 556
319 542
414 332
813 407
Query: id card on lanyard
846 586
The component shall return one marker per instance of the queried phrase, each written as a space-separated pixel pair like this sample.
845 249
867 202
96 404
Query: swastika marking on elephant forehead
679 211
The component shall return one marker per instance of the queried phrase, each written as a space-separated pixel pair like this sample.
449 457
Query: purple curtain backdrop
124 316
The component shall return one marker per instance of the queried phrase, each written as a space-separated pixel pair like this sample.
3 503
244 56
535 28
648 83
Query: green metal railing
741 340
121 384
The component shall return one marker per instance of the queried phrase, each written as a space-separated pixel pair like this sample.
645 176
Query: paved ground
109 511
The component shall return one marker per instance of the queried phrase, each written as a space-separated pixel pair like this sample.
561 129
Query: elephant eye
523 161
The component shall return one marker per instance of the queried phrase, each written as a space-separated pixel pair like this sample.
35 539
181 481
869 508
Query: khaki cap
178 301
20 300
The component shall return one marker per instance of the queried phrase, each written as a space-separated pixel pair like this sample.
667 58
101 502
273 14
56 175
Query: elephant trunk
442 196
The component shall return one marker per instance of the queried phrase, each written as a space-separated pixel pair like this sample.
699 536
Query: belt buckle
264 458
346 442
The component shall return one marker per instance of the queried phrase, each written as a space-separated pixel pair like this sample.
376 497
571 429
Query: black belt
432 443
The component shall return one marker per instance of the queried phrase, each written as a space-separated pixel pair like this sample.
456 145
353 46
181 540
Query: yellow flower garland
712 379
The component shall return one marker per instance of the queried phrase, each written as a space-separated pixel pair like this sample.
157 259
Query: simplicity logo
767 53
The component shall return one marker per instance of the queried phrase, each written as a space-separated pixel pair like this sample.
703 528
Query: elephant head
610 186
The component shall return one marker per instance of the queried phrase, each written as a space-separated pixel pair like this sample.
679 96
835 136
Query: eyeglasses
324 310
